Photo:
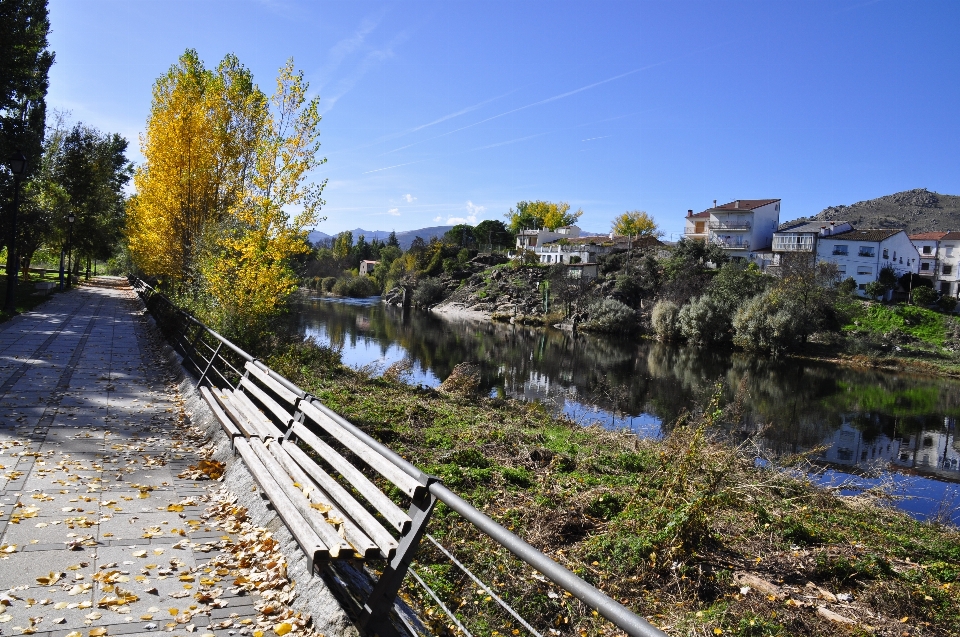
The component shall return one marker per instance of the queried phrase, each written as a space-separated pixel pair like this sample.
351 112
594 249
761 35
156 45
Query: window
926 249
866 251
840 249
886 254
841 269
949 250
698 227
925 266
947 269
862 269
862 286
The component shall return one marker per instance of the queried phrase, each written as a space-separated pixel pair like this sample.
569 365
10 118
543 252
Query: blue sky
437 112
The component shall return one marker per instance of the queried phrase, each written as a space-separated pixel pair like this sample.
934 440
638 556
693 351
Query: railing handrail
615 612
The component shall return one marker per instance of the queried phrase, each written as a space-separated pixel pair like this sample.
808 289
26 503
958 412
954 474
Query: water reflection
862 419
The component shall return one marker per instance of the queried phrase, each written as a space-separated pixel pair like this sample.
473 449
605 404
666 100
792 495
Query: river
866 427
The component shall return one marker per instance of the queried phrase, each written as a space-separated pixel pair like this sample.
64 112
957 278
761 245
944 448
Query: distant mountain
405 237
915 211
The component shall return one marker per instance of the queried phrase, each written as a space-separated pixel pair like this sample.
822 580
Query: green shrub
355 286
609 315
429 292
947 303
923 296
327 283
664 320
701 322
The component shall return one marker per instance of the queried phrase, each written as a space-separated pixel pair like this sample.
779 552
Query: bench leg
374 618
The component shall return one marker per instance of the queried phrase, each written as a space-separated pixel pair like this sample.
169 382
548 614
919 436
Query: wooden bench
316 469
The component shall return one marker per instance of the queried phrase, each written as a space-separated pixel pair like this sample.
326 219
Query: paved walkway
96 529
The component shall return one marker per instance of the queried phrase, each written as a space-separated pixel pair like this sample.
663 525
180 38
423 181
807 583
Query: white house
695 225
744 225
861 254
529 239
947 254
802 237
928 246
367 267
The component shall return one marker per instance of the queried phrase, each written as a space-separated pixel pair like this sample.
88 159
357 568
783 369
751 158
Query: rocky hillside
916 211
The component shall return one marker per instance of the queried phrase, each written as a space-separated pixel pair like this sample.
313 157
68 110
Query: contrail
394 166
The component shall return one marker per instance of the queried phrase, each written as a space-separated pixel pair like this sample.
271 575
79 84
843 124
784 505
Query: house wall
930 259
900 255
766 219
949 257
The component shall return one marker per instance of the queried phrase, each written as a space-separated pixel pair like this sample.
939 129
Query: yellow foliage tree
541 214
223 165
249 275
635 224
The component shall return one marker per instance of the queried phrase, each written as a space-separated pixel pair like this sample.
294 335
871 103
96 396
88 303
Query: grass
668 527
920 323
27 297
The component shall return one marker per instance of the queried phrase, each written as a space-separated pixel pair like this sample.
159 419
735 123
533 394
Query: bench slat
265 378
302 532
282 414
345 500
384 505
381 465
354 534
226 423
237 414
266 428
328 535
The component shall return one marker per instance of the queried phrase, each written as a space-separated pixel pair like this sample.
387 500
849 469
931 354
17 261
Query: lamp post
18 165
70 219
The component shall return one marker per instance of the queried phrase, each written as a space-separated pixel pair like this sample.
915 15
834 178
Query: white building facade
801 238
744 225
861 254
948 256
928 247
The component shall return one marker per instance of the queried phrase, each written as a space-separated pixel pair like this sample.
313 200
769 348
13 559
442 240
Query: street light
70 219
18 165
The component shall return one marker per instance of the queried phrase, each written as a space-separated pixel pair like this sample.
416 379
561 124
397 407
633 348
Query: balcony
839 252
731 225
732 244
793 244
692 232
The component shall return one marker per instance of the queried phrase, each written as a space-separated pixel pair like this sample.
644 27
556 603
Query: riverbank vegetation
689 530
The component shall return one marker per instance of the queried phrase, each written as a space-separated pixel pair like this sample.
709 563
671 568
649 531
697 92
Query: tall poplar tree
224 165
24 65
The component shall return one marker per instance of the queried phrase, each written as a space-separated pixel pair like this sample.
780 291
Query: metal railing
790 244
730 225
210 355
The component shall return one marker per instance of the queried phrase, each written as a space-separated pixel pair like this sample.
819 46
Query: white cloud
409 198
453 221
394 211
438 219
475 210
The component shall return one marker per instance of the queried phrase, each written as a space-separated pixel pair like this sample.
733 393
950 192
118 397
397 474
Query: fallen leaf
282 629
98 632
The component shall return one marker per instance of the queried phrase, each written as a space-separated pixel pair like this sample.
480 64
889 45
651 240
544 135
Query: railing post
206 369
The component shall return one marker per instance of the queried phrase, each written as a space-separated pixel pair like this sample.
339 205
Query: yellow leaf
98 632
717 631
74 633
173 611
282 629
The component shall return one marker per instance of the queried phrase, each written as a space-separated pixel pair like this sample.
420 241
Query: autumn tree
224 164
541 214
635 224
200 145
